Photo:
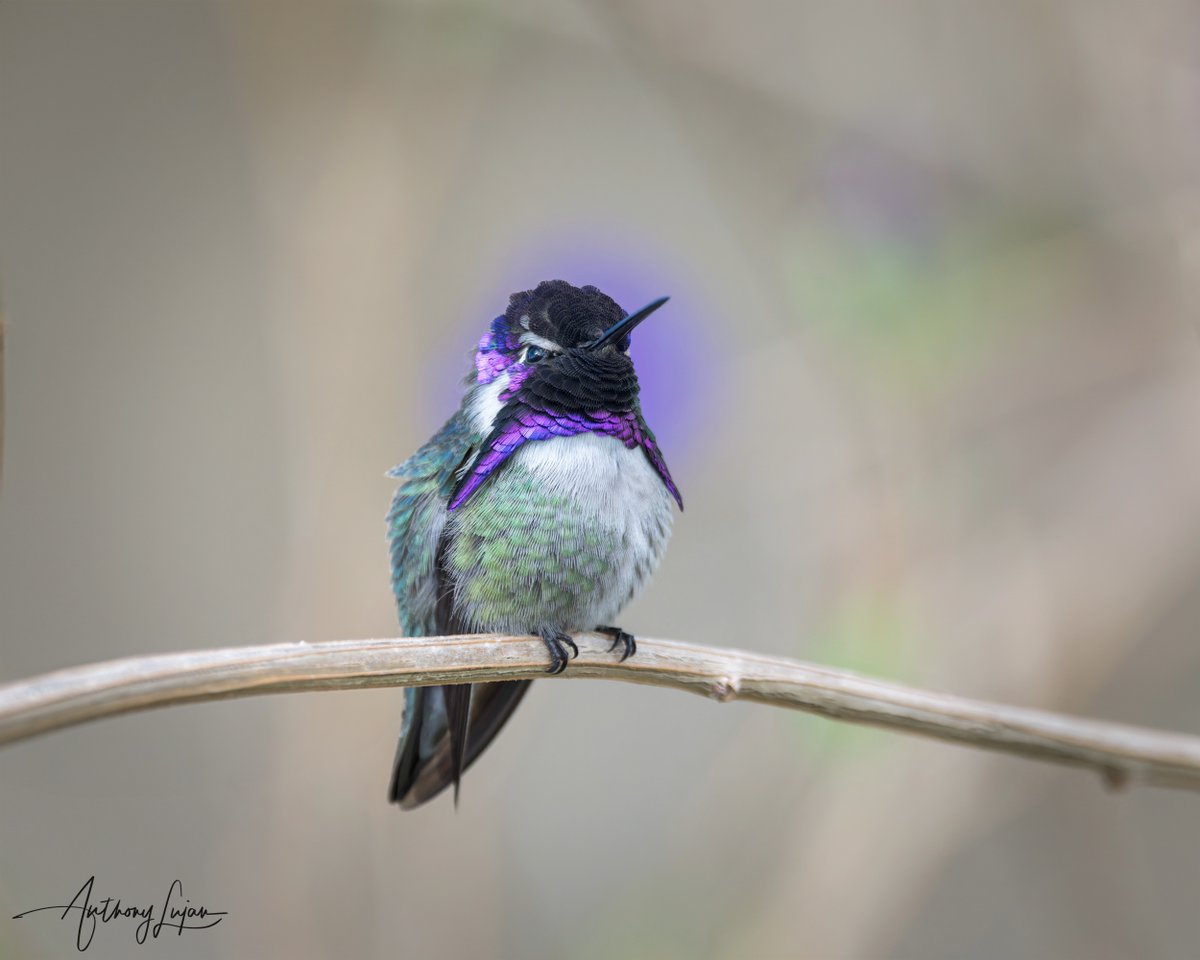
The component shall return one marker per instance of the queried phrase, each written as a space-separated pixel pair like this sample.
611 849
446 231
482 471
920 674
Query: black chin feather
582 382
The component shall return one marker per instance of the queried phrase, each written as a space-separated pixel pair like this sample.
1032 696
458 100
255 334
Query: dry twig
1121 754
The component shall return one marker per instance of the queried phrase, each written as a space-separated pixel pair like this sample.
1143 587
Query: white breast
616 489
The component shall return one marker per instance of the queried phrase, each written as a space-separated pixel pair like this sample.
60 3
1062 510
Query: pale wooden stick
1121 754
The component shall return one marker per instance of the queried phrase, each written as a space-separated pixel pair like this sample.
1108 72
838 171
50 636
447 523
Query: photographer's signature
175 914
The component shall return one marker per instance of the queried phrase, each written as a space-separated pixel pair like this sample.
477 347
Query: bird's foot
619 636
557 643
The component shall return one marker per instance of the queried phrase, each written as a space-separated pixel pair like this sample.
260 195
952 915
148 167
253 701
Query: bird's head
556 364
562 347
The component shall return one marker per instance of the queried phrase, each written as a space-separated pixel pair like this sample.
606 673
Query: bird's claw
620 637
557 643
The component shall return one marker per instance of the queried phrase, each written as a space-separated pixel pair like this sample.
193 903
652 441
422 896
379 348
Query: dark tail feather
404 768
490 710
458 713
426 761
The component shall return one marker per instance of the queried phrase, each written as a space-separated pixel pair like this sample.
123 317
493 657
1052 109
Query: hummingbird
541 507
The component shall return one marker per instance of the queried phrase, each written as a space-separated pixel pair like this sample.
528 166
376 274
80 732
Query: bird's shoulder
439 456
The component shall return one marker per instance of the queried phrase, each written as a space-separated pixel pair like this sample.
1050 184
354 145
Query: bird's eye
534 353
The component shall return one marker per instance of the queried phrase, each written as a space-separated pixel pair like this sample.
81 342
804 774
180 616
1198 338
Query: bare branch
1121 754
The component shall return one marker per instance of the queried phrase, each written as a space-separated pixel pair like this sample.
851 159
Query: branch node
724 689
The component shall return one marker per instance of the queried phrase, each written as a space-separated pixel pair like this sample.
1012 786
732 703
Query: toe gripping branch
557 643
619 636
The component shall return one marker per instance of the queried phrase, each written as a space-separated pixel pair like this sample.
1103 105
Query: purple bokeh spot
879 199
673 351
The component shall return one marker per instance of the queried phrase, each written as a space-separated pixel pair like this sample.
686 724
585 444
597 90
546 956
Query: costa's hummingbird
542 506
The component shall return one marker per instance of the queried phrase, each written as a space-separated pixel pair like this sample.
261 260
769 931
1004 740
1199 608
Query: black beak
625 325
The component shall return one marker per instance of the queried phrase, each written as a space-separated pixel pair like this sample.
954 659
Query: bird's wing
445 727
416 527
417 520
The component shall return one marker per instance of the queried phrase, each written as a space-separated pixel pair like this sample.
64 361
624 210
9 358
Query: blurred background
929 382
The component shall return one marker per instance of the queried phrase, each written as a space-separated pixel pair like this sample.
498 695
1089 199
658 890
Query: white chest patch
598 472
614 488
